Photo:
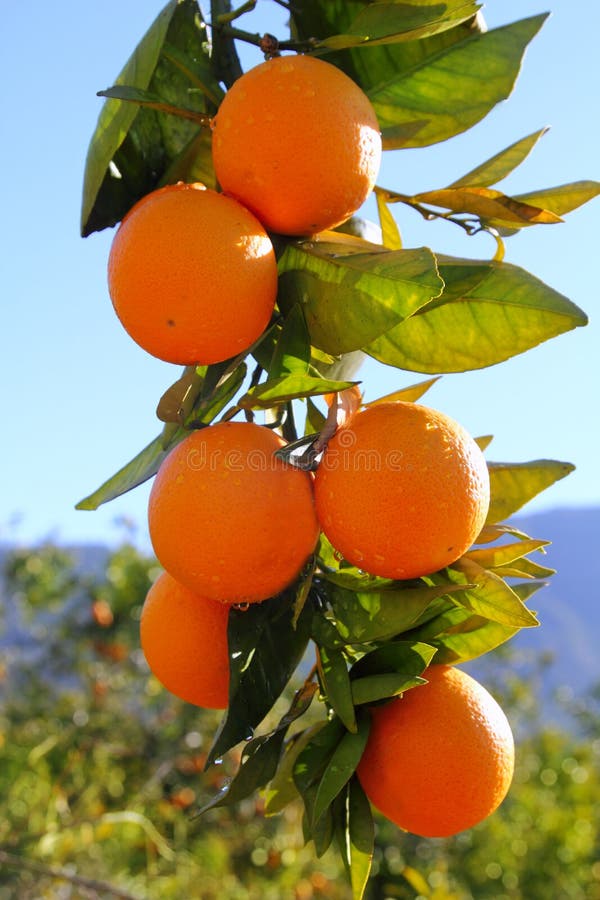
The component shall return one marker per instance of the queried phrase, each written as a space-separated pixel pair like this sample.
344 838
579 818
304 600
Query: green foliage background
100 767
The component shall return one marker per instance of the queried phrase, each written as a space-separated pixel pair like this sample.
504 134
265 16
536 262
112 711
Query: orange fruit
184 639
440 758
402 490
228 518
298 143
192 275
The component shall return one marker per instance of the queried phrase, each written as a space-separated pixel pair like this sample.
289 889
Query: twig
92 884
264 42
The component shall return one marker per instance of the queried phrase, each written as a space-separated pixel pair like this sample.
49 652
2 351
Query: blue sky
79 396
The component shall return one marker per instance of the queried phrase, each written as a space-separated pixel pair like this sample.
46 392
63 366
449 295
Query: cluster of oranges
401 491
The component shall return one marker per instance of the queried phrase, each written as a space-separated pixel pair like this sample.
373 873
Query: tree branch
92 884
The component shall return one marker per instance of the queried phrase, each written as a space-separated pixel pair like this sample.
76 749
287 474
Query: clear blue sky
79 396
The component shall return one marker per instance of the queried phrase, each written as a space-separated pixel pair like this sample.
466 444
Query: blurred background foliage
101 769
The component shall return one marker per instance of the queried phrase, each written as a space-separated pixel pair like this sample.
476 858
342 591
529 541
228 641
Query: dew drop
242 607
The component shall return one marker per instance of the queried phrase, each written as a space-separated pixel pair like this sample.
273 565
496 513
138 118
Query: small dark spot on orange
171 323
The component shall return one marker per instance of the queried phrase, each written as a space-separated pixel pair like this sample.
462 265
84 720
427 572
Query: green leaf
492 557
144 98
204 410
502 164
132 147
367 616
390 233
321 832
488 205
407 658
312 761
408 394
336 683
208 406
453 90
349 296
489 312
491 597
390 22
264 651
491 533
564 198
315 420
484 441
260 757
136 472
282 789
523 568
291 355
259 761
341 766
355 835
379 687
178 400
512 485
289 387
459 635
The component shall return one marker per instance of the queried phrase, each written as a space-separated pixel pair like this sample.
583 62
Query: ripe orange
229 519
440 758
298 143
402 490
184 639
192 275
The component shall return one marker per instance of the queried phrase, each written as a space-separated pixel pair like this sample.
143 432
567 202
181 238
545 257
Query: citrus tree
374 534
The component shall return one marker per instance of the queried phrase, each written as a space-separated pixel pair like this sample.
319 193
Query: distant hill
568 608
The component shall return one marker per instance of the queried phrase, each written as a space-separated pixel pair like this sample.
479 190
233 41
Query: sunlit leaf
512 485
488 312
523 568
348 296
460 635
492 557
390 22
408 394
390 233
363 617
489 205
491 533
564 198
289 387
491 598
315 420
451 91
502 164
484 441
